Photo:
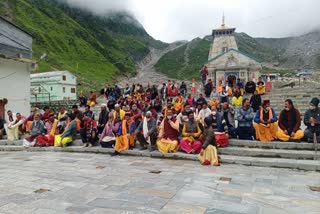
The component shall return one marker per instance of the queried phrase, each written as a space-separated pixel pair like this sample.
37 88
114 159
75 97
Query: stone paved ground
96 183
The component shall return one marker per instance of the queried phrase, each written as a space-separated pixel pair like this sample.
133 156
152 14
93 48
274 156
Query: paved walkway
97 183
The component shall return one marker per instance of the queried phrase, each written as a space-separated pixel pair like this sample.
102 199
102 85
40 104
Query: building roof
11 23
232 49
50 74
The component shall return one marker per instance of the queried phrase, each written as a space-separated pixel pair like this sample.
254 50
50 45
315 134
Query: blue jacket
245 117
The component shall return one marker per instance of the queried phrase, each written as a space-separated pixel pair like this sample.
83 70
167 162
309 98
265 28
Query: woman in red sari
52 130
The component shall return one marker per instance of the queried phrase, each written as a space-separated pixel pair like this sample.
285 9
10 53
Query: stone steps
270 153
253 153
224 159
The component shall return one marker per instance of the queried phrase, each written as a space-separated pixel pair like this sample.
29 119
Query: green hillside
96 49
184 63
175 66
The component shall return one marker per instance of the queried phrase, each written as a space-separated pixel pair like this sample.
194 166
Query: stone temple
226 62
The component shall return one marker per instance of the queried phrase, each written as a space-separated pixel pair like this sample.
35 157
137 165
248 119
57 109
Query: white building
53 86
15 67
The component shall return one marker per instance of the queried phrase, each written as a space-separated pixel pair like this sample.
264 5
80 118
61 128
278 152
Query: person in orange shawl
220 87
52 130
265 123
125 135
178 103
168 135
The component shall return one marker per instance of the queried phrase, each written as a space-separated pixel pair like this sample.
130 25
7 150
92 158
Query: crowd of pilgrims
168 120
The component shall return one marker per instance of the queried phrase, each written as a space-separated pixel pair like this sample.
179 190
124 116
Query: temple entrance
232 78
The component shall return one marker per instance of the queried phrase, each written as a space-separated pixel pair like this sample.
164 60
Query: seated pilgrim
191 132
52 129
36 129
15 128
108 137
265 123
147 132
261 88
289 123
208 154
69 133
245 115
168 134
125 135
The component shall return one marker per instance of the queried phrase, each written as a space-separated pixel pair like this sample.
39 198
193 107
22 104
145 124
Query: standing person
208 154
183 89
191 132
208 88
37 128
265 123
204 75
168 134
147 132
103 118
245 115
190 101
255 101
69 134
105 91
289 123
312 121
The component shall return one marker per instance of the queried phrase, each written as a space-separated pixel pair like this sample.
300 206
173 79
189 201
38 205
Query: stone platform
251 153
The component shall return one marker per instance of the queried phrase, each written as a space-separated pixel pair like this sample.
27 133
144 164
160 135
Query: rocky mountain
278 54
302 52
95 48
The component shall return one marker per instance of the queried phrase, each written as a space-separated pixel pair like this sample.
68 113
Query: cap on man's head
103 105
265 102
148 113
117 106
315 101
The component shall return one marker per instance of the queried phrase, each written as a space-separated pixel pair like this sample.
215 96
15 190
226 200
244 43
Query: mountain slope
281 55
182 64
96 49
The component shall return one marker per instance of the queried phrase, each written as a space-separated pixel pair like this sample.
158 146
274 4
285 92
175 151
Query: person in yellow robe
125 136
208 154
178 103
265 123
168 134
261 88
289 123
69 133
118 113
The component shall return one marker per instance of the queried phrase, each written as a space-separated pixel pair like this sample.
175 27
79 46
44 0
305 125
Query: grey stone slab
218 211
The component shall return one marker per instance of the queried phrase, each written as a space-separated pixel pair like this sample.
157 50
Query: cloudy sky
172 20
